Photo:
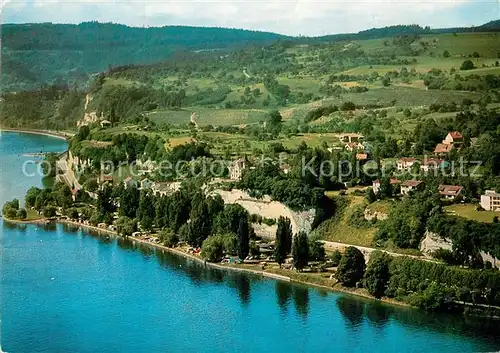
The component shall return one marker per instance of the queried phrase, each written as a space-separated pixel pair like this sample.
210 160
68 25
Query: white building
405 163
490 201
410 185
237 168
376 184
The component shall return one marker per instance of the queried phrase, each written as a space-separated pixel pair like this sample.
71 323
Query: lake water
64 290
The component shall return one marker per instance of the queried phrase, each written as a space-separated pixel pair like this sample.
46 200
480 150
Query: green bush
254 249
213 248
169 238
351 267
335 257
467 65
49 211
21 214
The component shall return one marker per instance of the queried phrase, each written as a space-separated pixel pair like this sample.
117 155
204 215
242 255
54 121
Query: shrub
169 238
49 211
254 249
21 214
467 65
316 251
335 257
351 267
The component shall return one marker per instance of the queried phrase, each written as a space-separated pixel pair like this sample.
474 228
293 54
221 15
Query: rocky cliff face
432 242
265 207
370 215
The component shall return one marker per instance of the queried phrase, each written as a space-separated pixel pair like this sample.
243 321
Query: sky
291 17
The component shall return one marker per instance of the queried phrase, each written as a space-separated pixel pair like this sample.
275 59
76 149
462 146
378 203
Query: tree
212 248
254 249
126 226
21 214
386 190
200 225
283 242
316 251
370 196
146 211
335 257
169 238
72 213
300 250
351 267
446 54
31 196
243 238
129 202
104 199
228 220
49 211
467 65
274 122
62 195
377 273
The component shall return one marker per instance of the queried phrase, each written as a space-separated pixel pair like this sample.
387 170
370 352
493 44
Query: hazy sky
294 17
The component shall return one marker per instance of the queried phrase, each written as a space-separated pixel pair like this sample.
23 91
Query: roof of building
407 159
354 146
128 179
412 183
392 181
361 156
239 161
107 178
491 193
455 135
450 190
443 148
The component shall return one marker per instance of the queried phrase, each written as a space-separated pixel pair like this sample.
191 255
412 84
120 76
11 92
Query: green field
470 212
208 116
339 230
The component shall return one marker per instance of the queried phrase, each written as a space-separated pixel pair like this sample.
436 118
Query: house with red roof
361 156
443 149
376 184
453 137
450 192
431 164
410 185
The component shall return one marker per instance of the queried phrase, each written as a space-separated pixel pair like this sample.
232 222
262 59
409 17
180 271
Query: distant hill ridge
37 53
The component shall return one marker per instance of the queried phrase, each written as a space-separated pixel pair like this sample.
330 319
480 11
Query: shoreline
262 273
49 133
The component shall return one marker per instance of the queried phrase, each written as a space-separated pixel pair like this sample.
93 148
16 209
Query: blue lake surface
65 290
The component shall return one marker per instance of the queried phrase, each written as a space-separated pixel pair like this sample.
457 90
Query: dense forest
47 53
